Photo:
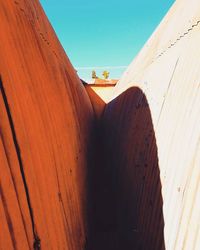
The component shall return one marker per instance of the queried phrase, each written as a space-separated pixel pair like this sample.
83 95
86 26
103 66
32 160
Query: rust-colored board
51 120
16 229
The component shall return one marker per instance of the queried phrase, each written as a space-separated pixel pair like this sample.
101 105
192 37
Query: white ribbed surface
167 70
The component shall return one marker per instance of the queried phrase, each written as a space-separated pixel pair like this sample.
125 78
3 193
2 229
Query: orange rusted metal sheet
123 173
46 122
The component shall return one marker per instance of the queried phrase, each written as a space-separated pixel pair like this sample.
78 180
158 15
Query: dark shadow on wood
124 189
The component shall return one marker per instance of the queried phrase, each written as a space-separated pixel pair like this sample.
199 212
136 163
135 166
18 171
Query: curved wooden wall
45 124
140 186
153 138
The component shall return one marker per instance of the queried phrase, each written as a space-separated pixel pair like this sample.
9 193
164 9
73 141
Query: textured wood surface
134 170
45 126
153 137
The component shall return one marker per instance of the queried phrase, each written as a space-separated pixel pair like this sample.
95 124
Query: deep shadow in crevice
124 189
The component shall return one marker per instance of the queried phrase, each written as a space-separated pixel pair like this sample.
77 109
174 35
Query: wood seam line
36 244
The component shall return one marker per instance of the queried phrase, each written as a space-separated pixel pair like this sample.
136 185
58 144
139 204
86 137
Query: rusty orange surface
99 167
45 121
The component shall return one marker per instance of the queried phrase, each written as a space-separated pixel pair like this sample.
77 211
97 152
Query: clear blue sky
104 32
